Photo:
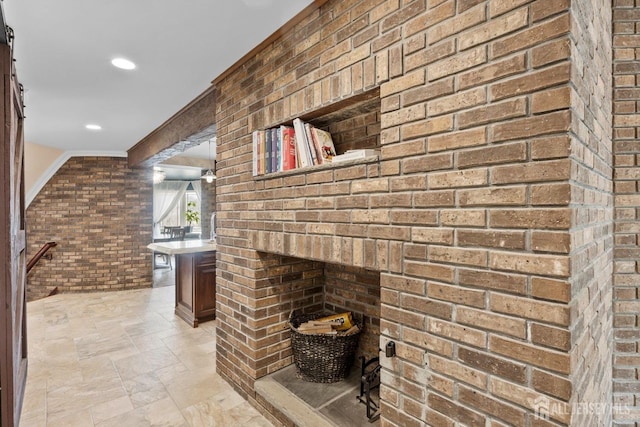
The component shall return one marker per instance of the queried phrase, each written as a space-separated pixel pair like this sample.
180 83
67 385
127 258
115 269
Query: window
177 215
192 203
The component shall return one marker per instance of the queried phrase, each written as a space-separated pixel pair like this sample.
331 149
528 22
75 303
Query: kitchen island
195 278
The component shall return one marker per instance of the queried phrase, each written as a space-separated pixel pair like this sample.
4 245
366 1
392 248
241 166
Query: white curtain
197 187
165 197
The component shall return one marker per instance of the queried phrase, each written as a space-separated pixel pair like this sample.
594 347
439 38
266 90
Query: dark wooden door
13 340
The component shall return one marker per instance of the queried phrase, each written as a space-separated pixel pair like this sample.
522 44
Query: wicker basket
322 358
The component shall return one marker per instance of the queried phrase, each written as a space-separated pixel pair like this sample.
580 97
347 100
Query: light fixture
123 64
209 175
93 126
158 176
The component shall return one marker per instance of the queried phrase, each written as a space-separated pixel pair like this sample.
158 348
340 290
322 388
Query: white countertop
183 246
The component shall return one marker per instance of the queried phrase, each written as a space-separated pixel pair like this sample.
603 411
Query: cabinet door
205 304
184 281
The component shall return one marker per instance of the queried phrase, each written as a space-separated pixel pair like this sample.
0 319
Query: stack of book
284 148
274 150
314 146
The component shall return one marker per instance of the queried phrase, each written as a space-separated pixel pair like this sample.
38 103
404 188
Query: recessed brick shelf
354 123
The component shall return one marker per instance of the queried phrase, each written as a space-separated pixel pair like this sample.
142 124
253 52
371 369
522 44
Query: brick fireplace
483 232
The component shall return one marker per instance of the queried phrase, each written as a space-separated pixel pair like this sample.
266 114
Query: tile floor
124 359
164 276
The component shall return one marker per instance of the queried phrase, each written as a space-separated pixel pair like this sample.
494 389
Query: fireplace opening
330 288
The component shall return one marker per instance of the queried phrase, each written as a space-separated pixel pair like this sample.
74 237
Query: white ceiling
63 50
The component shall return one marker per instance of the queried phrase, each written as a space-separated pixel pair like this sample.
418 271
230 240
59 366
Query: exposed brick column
592 213
488 215
626 67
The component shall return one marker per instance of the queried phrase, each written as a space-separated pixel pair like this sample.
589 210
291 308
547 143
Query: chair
166 259
174 233
177 233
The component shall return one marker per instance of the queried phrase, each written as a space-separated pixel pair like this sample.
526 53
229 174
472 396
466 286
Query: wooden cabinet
196 287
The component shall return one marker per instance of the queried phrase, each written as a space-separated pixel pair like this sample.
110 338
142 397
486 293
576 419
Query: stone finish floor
124 359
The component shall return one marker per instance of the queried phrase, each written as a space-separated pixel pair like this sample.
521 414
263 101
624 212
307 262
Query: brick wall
486 215
592 211
99 212
626 278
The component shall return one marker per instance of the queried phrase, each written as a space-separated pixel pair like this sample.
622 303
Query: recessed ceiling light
93 127
122 63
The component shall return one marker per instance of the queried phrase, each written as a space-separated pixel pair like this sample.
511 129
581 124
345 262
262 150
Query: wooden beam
189 127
